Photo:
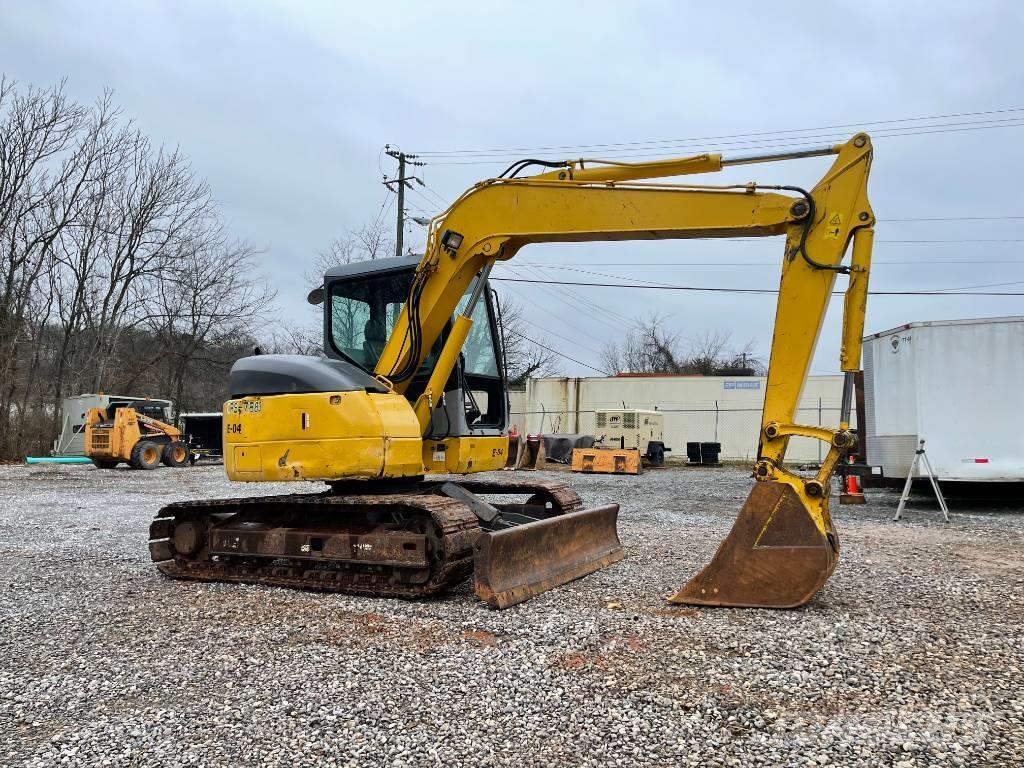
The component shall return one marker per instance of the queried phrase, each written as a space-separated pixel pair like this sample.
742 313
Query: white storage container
957 385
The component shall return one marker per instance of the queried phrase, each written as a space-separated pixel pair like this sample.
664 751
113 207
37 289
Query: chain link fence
736 429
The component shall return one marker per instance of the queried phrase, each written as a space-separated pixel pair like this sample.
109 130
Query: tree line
117 272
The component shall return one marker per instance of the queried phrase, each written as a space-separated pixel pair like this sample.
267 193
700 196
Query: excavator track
409 544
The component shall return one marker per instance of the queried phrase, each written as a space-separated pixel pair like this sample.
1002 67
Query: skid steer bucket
774 556
531 453
515 564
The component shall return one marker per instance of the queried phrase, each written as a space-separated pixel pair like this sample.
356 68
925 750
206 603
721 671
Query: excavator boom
783 546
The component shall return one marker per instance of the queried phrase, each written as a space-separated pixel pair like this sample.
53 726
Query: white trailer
955 384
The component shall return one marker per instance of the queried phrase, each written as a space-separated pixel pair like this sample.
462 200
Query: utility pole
402 181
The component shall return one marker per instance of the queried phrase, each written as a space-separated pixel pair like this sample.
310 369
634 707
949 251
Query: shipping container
955 384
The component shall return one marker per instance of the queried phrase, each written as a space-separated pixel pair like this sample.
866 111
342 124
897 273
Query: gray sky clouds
284 108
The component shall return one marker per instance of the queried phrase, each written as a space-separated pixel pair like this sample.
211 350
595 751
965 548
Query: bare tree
210 294
364 244
367 243
290 339
527 353
650 347
115 268
74 285
706 352
40 176
647 348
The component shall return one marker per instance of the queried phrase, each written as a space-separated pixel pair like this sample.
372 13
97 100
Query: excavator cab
362 303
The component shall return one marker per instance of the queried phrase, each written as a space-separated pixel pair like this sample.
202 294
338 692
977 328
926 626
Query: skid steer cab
131 436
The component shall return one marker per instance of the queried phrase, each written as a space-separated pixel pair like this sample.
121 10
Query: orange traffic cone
852 494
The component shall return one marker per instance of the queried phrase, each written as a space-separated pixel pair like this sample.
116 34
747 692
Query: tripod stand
921 460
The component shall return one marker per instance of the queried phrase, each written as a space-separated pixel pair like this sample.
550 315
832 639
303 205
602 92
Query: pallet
609 461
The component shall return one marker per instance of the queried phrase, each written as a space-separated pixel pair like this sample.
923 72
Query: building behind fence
719 409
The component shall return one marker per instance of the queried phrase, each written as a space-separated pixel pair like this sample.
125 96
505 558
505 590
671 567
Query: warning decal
834 225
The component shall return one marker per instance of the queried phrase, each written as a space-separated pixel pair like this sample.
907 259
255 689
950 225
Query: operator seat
374 340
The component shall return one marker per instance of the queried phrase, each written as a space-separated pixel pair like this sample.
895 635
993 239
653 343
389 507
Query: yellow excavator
411 386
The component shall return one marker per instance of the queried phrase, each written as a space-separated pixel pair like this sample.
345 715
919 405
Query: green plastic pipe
57 460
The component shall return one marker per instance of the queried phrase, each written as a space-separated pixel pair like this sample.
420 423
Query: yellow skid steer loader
131 437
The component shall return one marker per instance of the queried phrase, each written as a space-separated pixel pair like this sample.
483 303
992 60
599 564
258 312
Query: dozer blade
518 563
774 556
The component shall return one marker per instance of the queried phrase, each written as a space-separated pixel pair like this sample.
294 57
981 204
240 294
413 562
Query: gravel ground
912 655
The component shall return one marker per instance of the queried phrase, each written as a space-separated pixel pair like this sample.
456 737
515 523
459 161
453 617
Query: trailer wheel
656 454
145 455
175 454
104 464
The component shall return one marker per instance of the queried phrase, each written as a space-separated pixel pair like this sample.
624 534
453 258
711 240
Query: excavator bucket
532 454
515 564
774 556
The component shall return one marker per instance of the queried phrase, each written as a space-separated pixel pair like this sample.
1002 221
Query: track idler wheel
775 556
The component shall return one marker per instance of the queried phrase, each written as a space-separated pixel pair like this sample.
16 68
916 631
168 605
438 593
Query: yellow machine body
343 435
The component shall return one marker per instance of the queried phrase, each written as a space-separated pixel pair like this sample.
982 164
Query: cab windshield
363 313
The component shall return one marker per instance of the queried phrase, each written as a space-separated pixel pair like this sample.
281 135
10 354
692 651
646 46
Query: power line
936 292
568 298
440 200
955 218
901 241
538 270
962 240
651 283
542 329
426 200
401 182
411 204
558 319
774 264
390 201
380 214
555 351
800 141
986 285
437 153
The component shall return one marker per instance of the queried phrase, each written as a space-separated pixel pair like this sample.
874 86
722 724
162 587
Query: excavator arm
782 547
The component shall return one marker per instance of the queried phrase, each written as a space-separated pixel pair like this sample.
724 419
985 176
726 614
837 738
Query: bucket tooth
774 556
515 564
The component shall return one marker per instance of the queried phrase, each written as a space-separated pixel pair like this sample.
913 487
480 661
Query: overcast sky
285 108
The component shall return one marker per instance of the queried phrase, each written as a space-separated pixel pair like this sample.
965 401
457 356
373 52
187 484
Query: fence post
820 425
716 421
